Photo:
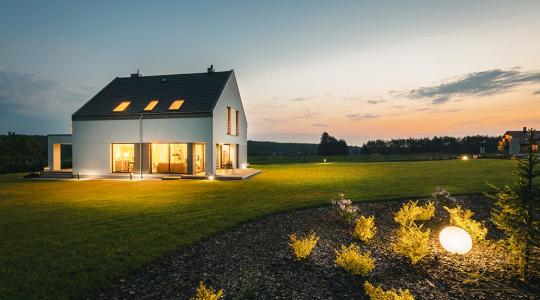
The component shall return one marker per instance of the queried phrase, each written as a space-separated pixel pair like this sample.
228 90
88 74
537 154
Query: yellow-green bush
377 293
354 261
364 228
412 242
411 212
302 247
463 219
207 293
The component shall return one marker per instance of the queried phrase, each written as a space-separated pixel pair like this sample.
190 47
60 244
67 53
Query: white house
190 124
515 142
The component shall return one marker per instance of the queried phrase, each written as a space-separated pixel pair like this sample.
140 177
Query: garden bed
254 261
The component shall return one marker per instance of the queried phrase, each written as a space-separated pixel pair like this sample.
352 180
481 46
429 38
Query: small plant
411 212
377 293
443 196
463 219
354 261
302 247
364 228
412 242
345 209
207 293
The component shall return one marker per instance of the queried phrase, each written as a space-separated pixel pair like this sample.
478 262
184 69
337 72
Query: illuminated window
176 104
123 158
228 120
151 105
122 106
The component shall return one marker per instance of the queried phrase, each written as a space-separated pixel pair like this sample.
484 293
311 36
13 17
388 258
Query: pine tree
516 210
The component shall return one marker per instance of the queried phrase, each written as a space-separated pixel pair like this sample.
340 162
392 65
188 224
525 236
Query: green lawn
64 239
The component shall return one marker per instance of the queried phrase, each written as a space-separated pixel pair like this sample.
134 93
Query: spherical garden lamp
455 240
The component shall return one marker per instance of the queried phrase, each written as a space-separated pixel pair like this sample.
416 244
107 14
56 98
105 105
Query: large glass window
169 158
198 157
123 157
178 158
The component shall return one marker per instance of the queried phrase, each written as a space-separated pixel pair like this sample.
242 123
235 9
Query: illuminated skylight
151 105
122 106
176 104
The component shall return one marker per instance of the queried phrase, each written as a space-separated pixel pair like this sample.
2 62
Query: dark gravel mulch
253 261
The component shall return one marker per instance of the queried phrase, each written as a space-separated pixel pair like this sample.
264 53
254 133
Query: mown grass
65 239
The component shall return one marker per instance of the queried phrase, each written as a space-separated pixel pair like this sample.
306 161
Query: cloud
357 117
298 99
536 93
319 125
352 98
474 84
30 99
375 101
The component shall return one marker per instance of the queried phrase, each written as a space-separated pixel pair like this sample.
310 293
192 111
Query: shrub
32 175
345 209
463 219
354 261
377 293
411 212
364 228
302 247
207 293
412 242
443 196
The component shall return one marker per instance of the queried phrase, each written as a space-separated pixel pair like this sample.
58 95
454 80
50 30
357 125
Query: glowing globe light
455 240
465 157
210 177
324 160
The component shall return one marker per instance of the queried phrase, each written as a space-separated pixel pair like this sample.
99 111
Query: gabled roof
200 92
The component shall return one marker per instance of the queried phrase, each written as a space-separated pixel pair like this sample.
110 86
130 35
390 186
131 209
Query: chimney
211 69
136 75
524 129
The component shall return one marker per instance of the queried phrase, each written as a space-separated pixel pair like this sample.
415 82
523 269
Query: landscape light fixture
324 160
210 177
455 240
464 157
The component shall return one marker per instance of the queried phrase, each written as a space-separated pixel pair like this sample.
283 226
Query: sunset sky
359 70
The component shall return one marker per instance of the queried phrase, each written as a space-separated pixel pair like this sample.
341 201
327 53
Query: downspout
140 145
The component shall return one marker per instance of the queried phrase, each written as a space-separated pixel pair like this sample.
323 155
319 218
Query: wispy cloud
306 98
357 117
319 125
536 92
375 101
28 98
478 83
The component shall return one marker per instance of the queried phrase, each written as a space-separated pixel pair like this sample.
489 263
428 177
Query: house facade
515 142
185 124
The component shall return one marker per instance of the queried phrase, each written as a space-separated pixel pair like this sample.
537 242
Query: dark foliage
447 144
22 153
329 145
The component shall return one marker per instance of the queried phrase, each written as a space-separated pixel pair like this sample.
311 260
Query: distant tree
329 145
517 208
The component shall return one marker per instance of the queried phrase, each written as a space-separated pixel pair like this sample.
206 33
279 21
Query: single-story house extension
190 124
515 142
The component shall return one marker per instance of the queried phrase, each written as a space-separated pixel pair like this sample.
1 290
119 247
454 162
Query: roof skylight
122 106
151 105
176 104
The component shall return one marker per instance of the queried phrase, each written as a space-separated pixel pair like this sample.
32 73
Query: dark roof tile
200 91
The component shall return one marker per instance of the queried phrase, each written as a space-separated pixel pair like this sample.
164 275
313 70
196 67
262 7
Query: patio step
56 174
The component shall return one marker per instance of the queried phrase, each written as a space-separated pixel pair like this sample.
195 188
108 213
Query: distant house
515 142
192 124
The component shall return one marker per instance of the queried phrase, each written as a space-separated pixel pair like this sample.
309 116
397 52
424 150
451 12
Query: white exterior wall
92 139
53 139
230 97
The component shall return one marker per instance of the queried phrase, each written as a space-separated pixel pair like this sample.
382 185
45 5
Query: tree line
330 145
22 153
